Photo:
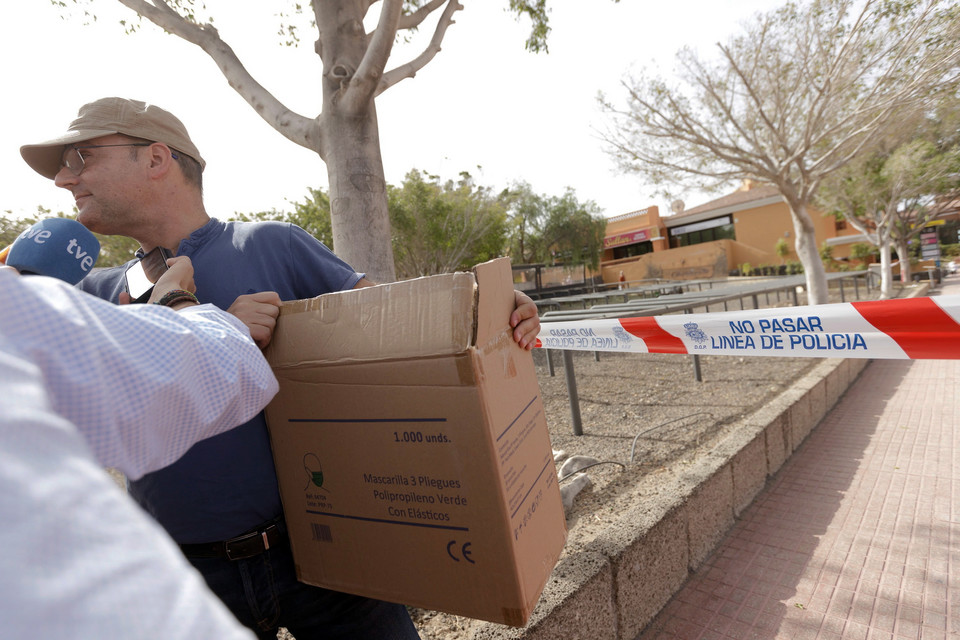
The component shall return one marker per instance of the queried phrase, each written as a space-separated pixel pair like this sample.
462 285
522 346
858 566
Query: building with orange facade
714 239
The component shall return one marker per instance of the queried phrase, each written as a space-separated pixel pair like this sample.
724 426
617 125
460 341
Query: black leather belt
243 546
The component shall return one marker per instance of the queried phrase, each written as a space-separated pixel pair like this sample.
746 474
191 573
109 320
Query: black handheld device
144 273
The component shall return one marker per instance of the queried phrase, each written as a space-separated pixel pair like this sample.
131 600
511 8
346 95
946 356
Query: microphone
58 247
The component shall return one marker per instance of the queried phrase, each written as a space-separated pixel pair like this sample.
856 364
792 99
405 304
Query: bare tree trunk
809 255
886 271
358 196
350 138
902 253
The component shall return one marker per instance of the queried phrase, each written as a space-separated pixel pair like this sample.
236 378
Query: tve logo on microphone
40 236
43 249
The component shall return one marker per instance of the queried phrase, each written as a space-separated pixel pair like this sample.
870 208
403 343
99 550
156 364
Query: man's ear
161 158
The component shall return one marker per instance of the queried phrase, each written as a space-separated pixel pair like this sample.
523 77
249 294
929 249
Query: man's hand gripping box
411 446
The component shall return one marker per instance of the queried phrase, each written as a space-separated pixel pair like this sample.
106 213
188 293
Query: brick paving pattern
857 536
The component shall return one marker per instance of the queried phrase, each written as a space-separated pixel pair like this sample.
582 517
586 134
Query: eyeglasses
74 161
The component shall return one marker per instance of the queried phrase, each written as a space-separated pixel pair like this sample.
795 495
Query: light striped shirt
86 384
142 383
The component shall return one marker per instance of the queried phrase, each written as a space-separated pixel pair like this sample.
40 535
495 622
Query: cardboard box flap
496 298
413 318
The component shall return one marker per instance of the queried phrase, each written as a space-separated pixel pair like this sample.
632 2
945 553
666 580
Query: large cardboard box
411 446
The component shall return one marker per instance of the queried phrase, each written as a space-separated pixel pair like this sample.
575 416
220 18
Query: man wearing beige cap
134 171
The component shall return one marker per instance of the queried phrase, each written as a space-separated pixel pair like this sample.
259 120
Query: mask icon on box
311 464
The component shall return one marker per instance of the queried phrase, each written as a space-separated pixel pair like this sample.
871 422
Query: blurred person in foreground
134 171
86 384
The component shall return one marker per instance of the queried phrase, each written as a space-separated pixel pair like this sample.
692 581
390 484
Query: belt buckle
237 543
247 537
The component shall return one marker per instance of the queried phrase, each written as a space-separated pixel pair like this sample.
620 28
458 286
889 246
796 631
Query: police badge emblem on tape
913 328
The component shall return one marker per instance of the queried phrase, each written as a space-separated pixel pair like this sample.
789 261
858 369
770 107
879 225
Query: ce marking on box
456 551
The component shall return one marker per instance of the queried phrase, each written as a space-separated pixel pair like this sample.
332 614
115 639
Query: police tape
913 328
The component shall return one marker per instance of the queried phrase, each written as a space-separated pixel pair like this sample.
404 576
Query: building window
632 250
722 229
839 224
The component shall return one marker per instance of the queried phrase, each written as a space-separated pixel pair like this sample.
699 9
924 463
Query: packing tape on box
913 328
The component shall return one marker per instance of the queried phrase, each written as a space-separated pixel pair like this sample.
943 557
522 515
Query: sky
483 105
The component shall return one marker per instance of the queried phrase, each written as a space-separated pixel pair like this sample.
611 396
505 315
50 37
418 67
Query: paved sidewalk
857 536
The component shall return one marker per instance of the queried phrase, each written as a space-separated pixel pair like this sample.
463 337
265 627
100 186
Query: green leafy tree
863 252
574 230
528 211
554 229
826 254
354 72
782 249
438 227
936 180
312 214
803 90
441 227
11 227
907 179
116 250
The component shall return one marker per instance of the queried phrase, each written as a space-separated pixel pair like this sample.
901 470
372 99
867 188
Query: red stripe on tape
918 325
657 340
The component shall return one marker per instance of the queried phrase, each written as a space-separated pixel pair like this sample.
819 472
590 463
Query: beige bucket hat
108 116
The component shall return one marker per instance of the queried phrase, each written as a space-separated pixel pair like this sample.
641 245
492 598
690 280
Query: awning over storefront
631 237
831 242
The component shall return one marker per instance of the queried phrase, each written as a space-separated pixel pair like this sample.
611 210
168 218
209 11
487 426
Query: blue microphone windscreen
57 247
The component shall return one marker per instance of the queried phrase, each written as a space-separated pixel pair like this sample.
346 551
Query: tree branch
409 70
757 103
413 20
299 129
362 87
691 130
880 109
862 227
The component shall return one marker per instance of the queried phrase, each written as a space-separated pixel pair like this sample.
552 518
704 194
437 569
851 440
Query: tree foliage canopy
898 184
311 214
441 227
554 229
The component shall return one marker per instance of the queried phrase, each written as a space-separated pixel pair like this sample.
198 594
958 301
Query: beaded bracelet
174 296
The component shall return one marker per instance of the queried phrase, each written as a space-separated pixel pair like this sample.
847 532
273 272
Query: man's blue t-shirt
226 485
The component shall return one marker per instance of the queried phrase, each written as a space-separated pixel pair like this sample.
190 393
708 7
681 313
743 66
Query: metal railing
718 292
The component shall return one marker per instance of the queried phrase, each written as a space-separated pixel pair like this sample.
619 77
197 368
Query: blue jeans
264 594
